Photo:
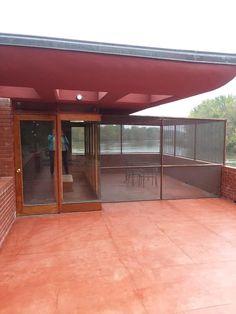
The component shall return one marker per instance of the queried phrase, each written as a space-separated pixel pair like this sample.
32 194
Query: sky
182 108
203 25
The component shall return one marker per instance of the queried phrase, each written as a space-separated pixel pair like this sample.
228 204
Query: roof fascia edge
117 49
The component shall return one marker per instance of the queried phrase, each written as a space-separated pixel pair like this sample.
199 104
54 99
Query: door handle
18 170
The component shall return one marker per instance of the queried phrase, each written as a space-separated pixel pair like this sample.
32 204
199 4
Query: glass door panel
79 162
38 162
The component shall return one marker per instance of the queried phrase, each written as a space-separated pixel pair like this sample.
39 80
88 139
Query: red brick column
7 206
228 183
6 139
7 181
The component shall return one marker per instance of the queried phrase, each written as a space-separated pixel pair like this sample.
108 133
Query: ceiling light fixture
79 97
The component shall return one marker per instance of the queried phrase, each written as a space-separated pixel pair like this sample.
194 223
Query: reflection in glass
37 164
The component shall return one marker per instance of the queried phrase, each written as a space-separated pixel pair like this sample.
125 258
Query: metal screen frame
212 136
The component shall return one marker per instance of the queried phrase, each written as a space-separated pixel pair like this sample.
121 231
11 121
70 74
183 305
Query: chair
134 174
151 173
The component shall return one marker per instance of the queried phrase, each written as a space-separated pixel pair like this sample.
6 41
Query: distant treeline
129 133
223 107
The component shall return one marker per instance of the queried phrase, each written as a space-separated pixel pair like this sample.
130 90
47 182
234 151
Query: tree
220 107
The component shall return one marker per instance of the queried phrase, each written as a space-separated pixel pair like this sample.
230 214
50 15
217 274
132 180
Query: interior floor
116 187
39 188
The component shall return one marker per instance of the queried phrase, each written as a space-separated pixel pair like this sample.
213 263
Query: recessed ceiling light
79 97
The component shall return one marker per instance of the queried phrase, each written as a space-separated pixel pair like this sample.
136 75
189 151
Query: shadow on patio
143 257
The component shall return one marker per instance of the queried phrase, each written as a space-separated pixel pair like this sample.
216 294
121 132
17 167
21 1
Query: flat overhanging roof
111 78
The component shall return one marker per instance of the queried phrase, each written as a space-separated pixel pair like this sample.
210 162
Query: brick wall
6 139
228 183
7 181
7 206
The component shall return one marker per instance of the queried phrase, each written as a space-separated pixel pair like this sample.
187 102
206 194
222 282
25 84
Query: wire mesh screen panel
168 139
172 159
77 140
181 182
110 139
193 141
131 173
178 141
38 161
185 140
140 139
210 141
131 183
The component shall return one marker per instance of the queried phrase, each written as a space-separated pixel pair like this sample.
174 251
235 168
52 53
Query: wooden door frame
23 209
58 206
84 205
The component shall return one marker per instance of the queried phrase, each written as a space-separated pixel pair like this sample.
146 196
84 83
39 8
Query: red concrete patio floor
145 257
